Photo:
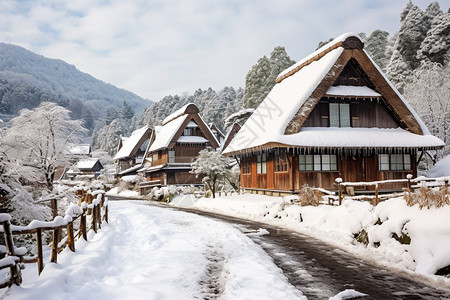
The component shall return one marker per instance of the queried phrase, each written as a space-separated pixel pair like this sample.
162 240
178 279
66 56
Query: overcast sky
156 48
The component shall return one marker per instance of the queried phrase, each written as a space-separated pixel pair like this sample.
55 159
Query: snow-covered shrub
124 185
426 197
309 196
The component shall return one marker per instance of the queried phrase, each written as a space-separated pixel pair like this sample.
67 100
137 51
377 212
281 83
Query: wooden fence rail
14 257
409 183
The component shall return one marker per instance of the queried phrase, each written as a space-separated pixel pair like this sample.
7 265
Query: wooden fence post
54 207
56 235
106 214
70 237
376 194
40 261
340 193
83 225
16 274
94 218
99 215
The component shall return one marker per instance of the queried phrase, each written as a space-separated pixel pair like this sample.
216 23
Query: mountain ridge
19 65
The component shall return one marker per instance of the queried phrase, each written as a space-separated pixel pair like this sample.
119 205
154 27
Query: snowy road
149 252
320 271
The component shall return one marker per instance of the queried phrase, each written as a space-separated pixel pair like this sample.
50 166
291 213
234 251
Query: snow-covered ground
429 229
156 253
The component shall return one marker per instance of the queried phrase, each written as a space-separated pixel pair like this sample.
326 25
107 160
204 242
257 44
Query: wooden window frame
261 163
317 163
280 161
394 162
246 166
340 114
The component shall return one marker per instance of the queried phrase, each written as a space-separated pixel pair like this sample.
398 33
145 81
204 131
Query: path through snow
156 253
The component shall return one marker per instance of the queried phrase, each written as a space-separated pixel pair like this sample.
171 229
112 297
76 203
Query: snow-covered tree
213 167
429 94
399 71
261 77
39 139
127 112
376 45
107 138
436 45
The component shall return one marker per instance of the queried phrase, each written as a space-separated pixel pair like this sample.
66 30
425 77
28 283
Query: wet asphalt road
321 271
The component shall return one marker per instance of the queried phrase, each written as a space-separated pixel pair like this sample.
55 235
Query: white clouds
155 48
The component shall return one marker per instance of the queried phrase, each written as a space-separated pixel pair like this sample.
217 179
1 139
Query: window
187 131
246 165
394 162
281 161
317 162
339 114
261 163
171 156
305 162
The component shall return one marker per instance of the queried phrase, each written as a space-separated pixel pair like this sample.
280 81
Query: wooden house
89 166
175 145
131 151
333 114
218 134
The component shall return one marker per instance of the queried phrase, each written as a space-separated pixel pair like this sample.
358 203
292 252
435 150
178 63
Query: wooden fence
92 207
347 189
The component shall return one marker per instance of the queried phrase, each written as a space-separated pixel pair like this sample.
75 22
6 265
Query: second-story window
187 131
171 156
339 115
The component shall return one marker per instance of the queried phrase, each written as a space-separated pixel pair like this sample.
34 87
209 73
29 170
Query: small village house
175 145
87 167
332 114
131 150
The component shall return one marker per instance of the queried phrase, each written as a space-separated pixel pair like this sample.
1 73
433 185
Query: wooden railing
92 206
409 184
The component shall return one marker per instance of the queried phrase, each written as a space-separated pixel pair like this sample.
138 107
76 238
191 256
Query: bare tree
38 139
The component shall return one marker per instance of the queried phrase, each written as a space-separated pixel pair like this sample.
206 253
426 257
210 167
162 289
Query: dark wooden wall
350 169
363 113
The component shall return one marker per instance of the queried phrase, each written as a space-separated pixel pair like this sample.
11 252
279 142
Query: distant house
90 166
230 135
131 150
220 137
333 114
174 146
81 150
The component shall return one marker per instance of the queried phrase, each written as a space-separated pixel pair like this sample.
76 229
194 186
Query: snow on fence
347 188
90 207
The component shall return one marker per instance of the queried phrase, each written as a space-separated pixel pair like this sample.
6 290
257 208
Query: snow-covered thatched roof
278 120
86 164
132 144
82 149
173 125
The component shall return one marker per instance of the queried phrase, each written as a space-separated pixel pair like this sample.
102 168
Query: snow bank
428 229
441 169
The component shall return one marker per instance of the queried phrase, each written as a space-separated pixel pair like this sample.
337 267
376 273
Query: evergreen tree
412 32
436 46
127 111
376 45
261 77
398 71
111 114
